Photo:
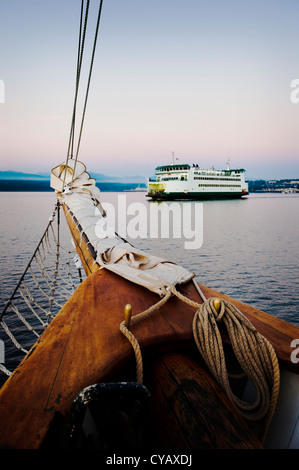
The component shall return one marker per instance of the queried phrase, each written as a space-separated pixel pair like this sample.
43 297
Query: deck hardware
128 315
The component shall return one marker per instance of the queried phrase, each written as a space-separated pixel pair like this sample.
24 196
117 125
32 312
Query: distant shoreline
22 185
44 186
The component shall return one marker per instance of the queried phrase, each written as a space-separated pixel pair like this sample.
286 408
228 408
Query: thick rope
254 353
127 333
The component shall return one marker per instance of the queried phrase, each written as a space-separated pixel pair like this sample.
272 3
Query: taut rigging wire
79 65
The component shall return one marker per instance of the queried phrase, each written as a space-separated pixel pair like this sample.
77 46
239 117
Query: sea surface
249 248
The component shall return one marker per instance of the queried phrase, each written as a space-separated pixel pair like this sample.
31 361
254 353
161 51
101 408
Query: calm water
250 247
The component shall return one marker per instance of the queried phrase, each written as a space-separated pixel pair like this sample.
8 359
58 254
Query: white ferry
183 181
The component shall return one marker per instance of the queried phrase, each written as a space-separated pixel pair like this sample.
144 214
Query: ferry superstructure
184 181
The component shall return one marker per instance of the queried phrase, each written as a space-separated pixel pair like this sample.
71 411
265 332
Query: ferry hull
195 196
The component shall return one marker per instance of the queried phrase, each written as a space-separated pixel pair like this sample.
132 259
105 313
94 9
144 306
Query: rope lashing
254 353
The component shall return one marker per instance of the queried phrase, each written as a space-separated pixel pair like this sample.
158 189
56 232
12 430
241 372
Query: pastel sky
207 80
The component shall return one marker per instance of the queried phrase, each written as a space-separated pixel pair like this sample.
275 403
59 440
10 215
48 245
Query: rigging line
79 62
32 299
23 319
27 302
11 336
88 84
42 290
31 259
49 272
81 44
53 290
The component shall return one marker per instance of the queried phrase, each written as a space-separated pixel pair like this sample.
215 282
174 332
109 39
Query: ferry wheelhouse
183 181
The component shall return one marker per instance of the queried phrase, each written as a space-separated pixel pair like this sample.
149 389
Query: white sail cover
82 197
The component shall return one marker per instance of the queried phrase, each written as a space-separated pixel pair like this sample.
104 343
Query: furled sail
77 190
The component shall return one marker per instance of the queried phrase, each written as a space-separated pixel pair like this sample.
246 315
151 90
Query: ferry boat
139 355
134 190
183 181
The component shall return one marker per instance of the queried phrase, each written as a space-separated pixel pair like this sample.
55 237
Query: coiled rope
254 352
